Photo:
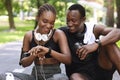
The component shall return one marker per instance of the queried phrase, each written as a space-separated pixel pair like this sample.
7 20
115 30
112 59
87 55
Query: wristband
98 42
25 54
49 51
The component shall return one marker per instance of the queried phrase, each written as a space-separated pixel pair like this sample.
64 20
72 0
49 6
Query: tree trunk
118 13
8 5
110 13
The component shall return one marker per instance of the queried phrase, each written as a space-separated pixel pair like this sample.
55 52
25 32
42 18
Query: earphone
43 37
80 35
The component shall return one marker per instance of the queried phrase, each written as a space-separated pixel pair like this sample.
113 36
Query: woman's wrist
49 51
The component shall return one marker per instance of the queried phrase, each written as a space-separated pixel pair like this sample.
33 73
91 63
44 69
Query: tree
118 13
2 8
8 5
110 13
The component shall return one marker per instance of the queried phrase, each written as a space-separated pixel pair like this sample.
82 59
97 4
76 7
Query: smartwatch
98 42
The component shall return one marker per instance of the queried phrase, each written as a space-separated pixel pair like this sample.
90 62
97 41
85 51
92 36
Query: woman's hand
42 51
39 51
34 51
84 50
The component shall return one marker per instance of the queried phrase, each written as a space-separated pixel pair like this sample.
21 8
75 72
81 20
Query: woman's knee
78 76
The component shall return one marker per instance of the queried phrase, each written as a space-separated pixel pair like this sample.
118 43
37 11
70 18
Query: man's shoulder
64 28
90 24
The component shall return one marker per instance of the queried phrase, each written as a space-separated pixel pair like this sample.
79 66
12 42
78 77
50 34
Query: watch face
97 40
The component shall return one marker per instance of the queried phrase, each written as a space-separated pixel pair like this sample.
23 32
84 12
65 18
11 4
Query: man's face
74 20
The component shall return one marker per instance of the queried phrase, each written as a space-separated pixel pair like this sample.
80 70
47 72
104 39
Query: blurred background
18 16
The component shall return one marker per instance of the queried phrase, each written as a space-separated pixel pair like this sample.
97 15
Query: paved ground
9 58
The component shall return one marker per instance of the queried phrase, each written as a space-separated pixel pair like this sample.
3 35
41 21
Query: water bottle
88 56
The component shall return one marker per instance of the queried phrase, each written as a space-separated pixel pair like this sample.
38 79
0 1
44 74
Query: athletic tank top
53 45
89 66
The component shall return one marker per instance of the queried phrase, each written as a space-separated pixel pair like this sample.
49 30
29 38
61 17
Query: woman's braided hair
45 7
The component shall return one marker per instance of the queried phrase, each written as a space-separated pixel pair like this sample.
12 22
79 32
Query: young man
92 58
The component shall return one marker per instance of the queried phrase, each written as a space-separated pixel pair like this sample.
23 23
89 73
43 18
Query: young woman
87 62
45 46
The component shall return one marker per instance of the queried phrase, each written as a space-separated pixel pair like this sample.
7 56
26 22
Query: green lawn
21 28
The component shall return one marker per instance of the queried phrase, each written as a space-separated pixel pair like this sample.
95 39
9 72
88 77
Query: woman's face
74 20
46 21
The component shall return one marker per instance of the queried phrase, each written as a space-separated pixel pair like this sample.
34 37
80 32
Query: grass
21 28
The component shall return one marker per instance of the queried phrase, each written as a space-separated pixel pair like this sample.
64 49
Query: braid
45 7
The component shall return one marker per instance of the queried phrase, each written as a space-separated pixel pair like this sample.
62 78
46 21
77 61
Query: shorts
91 69
48 70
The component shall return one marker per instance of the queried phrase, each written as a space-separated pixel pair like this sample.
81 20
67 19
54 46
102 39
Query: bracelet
49 51
23 54
98 42
26 54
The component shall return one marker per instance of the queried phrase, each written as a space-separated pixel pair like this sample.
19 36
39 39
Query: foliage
2 8
118 43
89 11
29 5
16 7
22 27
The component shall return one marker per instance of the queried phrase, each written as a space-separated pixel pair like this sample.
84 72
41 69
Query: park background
18 16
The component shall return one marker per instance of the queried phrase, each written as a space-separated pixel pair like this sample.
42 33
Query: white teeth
72 28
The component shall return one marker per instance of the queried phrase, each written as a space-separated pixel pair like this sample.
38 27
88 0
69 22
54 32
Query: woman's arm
27 61
64 56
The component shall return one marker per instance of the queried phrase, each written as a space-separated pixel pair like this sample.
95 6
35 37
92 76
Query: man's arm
110 35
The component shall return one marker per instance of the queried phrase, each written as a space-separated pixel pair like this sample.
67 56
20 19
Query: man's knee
107 56
110 46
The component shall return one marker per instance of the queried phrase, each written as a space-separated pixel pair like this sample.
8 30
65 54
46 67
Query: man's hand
84 50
